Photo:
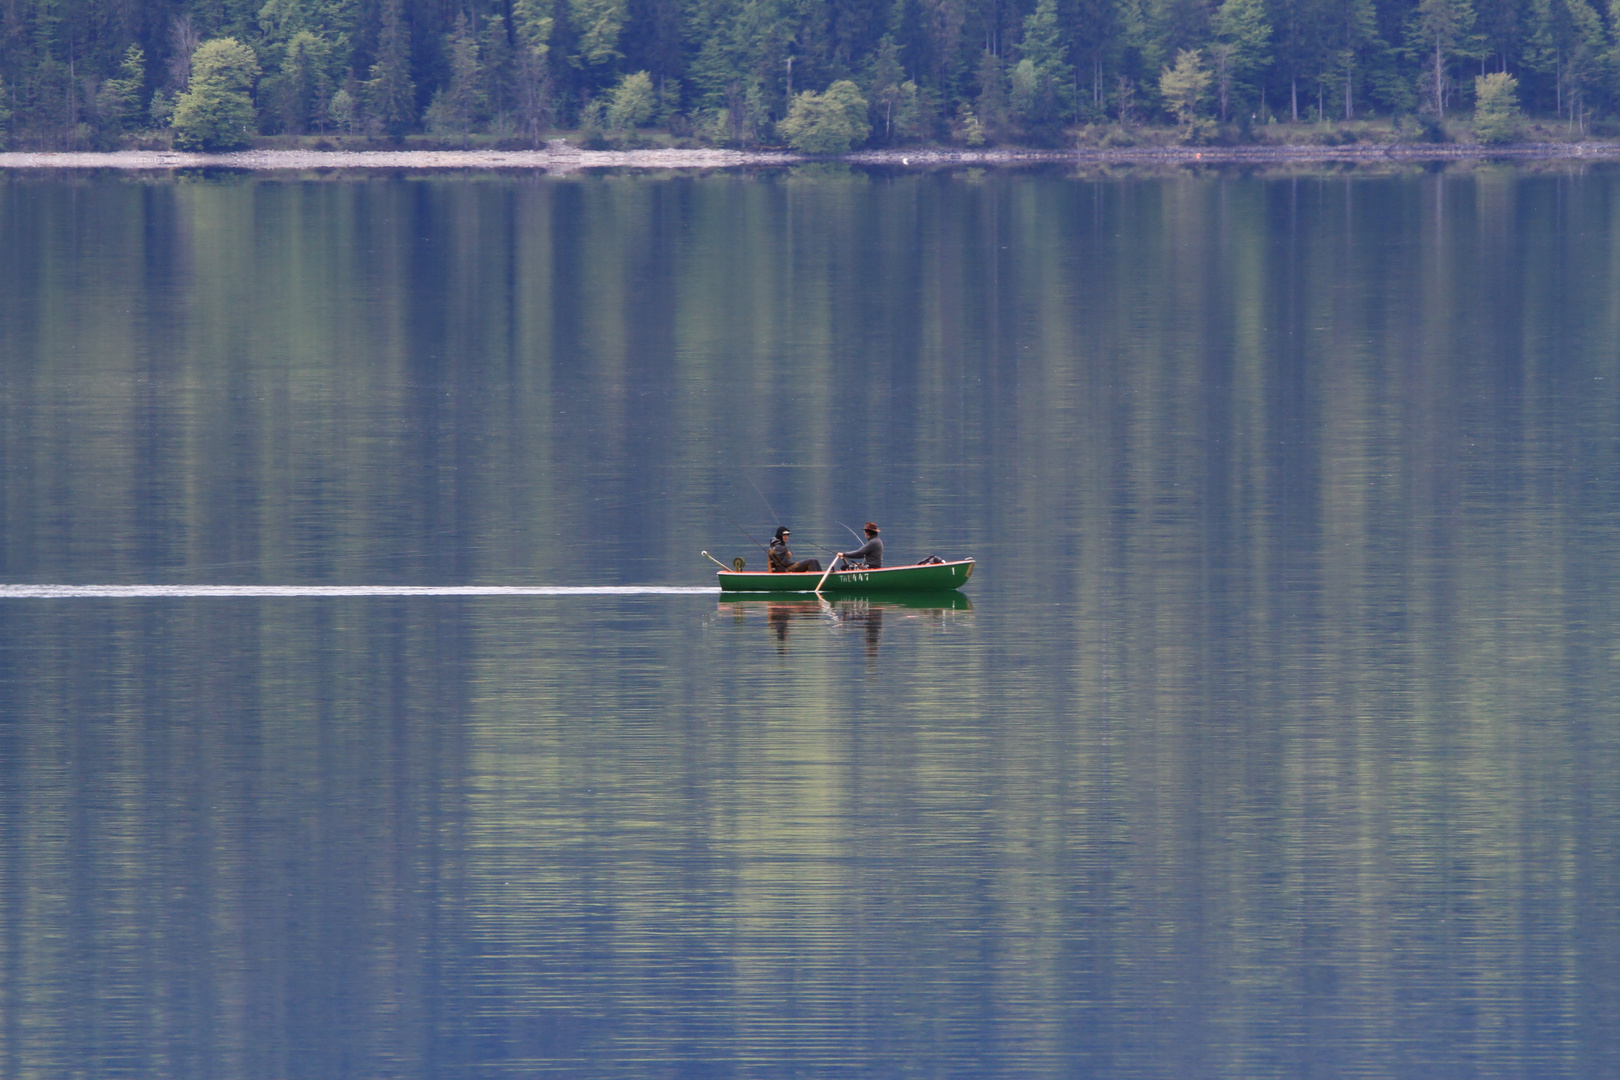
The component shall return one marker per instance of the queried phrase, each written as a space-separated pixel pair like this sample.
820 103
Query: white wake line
29 592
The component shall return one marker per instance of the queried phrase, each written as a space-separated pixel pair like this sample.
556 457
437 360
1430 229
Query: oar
716 561
836 559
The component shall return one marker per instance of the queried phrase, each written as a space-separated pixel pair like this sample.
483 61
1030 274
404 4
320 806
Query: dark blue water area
1273 735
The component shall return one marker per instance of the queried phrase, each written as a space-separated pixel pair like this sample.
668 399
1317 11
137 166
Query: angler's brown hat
871 527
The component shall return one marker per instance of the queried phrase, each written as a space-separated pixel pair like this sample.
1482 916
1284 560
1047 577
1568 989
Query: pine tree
1567 42
533 25
305 84
119 102
993 108
597 24
1351 35
1444 29
1297 46
883 89
459 104
279 20
1244 36
1041 90
496 55
390 91
1043 45
917 119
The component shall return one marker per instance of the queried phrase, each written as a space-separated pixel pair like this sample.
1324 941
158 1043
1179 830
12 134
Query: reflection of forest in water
1283 716
833 612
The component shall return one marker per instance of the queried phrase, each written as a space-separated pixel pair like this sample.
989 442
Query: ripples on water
1274 736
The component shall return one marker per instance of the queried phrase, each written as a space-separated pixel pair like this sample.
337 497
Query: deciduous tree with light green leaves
216 112
1185 86
633 102
344 112
829 123
1496 107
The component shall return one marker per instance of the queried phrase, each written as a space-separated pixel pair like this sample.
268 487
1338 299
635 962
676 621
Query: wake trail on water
64 592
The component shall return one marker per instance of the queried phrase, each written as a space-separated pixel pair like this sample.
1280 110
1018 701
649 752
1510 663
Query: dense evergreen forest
822 74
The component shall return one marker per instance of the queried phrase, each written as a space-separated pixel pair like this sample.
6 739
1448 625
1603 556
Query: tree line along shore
815 76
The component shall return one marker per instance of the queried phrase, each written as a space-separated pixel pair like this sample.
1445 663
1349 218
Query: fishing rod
778 517
762 498
740 529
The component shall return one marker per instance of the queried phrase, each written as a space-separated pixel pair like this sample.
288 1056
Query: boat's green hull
948 575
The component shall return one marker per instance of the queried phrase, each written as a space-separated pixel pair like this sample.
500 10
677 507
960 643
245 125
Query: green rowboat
924 577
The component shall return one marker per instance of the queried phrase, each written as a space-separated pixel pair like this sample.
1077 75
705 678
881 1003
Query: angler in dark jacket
870 553
781 558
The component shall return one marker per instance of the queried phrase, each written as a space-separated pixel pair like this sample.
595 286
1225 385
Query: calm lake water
1276 735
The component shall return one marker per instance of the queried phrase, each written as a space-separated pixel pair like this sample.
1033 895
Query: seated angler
869 556
782 559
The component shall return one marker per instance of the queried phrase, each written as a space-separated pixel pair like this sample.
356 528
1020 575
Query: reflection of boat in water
866 610
932 577
933 600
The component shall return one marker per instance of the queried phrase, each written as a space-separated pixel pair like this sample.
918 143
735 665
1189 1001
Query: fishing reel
738 563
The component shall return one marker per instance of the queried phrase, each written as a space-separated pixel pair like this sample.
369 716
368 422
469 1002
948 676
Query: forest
822 75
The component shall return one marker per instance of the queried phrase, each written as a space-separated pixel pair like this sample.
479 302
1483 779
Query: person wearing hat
781 558
870 553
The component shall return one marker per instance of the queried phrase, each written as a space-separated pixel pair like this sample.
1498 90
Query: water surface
1275 735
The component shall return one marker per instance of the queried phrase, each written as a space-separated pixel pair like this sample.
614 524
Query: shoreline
563 159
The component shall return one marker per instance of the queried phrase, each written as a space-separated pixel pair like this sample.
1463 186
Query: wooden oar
830 567
716 561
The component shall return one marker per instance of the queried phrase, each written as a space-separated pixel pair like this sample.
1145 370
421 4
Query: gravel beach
559 158
551 159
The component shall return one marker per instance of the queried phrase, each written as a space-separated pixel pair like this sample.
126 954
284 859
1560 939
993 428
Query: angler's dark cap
871 527
781 531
